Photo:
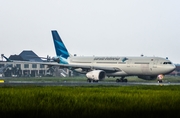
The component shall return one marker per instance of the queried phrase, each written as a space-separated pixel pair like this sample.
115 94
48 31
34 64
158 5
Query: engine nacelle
96 75
147 77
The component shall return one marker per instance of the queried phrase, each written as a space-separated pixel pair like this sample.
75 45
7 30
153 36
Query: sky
92 27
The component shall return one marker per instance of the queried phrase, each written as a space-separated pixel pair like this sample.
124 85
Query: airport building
17 66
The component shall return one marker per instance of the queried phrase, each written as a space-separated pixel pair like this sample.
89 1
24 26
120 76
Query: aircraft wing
84 67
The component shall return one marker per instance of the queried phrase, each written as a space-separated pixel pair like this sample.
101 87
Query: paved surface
78 83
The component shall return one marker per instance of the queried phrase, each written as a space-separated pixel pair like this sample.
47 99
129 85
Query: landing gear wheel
159 81
95 80
124 80
88 80
121 80
118 80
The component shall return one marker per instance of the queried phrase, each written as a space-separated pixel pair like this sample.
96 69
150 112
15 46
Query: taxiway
78 83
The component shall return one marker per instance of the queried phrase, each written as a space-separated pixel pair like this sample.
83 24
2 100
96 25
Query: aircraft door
93 63
145 69
129 63
155 61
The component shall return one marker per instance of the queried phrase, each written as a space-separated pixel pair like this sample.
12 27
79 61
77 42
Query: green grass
94 101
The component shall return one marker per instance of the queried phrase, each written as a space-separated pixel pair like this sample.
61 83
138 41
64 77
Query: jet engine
96 75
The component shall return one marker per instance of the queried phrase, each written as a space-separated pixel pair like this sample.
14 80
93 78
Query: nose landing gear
160 77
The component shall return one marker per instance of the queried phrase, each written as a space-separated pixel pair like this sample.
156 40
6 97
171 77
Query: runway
79 83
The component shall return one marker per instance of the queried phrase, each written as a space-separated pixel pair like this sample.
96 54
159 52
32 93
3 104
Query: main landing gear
121 80
160 81
90 80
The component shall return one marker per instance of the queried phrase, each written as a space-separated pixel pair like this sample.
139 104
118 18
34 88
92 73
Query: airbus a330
97 68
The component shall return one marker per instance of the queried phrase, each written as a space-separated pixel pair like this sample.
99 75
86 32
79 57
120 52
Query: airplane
97 68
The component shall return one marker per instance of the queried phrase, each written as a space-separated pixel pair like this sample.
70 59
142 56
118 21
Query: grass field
96 101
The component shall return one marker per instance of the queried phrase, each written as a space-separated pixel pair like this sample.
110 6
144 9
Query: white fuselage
126 66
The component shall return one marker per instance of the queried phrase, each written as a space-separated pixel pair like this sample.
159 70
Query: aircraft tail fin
7 59
60 48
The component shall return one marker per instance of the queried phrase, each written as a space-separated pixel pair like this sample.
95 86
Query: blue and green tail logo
60 48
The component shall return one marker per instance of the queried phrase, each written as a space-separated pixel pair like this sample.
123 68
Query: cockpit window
167 63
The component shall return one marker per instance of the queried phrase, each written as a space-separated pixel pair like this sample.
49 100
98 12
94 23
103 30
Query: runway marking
1 81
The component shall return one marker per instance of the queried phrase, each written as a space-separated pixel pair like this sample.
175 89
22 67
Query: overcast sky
92 27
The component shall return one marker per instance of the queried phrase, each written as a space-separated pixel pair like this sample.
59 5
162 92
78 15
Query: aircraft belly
120 73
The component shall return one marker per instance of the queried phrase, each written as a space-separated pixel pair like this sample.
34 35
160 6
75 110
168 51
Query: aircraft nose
173 67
